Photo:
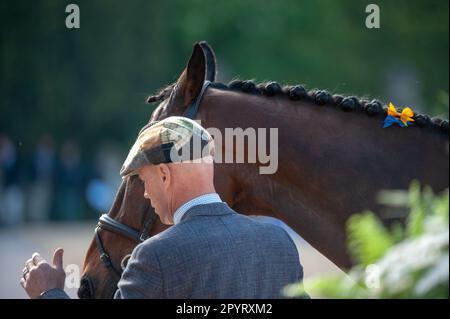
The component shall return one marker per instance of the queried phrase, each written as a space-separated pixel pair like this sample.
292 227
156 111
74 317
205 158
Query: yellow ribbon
405 116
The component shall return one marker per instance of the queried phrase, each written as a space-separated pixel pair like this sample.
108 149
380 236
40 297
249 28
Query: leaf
368 239
415 222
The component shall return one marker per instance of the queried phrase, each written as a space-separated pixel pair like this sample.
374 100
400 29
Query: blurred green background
73 90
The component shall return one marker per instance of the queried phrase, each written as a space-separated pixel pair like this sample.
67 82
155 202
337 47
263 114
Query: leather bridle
107 223
192 110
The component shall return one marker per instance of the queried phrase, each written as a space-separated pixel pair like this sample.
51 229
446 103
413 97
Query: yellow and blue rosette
403 119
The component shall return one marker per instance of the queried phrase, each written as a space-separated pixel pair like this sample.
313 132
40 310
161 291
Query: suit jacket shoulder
214 253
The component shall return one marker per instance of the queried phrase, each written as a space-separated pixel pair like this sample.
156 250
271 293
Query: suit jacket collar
213 209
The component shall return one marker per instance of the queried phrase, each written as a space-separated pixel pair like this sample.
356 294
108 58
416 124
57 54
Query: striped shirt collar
200 200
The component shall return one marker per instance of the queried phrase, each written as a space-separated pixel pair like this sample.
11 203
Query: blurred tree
90 83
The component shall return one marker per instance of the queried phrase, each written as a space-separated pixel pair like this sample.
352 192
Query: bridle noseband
107 223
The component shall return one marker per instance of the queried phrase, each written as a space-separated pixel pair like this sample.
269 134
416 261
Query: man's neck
184 197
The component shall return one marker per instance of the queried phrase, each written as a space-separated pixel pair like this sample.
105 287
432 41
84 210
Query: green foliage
410 263
362 229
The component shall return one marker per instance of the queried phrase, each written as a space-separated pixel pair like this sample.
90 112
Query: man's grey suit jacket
213 252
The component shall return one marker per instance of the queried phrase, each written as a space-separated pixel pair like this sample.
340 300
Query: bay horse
334 158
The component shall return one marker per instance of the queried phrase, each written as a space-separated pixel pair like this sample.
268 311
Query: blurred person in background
42 180
69 182
102 187
11 194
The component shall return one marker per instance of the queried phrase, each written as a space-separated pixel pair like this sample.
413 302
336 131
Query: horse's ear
210 61
191 80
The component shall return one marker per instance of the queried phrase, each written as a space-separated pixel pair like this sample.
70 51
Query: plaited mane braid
319 97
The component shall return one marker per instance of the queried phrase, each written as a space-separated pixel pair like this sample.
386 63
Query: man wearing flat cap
210 251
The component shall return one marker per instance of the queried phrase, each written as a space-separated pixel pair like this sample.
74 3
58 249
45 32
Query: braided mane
319 97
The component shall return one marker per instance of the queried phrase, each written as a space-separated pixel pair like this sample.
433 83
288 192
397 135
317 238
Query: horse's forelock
162 94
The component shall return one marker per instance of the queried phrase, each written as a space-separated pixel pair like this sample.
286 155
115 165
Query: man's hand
40 276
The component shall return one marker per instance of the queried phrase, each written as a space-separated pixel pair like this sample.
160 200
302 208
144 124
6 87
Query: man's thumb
58 258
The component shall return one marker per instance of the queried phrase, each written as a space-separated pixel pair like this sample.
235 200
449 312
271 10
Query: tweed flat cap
171 140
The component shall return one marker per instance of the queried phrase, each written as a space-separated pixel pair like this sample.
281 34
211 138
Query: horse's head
129 209
131 214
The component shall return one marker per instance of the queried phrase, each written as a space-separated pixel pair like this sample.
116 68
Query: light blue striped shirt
200 200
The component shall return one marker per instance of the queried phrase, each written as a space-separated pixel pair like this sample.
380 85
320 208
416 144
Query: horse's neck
326 152
331 164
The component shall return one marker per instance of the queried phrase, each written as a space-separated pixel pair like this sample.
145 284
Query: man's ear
191 80
164 173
